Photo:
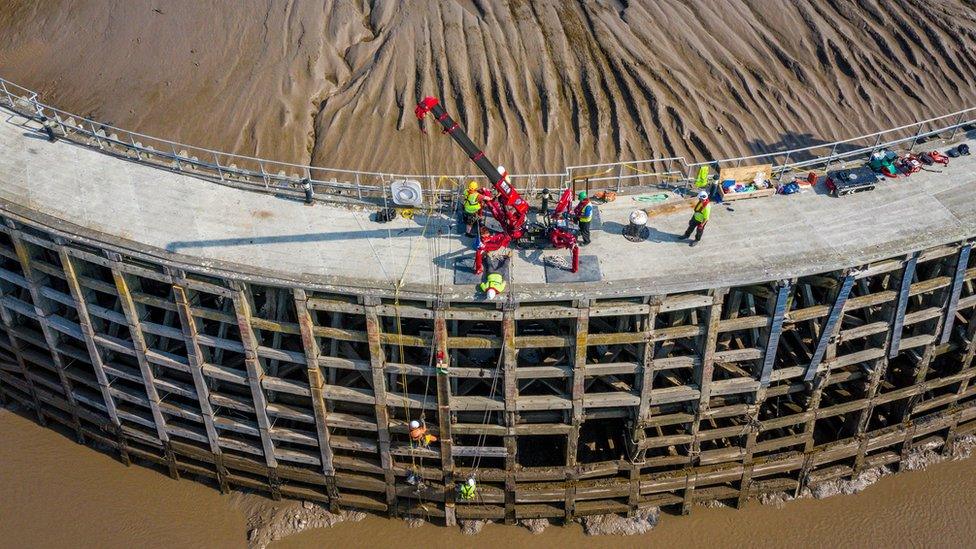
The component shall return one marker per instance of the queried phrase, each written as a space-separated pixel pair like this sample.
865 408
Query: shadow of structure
793 140
332 236
654 235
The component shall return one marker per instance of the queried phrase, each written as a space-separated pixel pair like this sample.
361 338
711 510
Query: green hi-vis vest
702 178
467 491
471 203
495 281
702 212
586 215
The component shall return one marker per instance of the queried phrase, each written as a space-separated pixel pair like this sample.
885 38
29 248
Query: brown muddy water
56 493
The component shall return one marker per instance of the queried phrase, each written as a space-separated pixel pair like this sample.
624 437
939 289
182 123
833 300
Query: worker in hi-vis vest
583 214
494 284
472 208
468 489
702 211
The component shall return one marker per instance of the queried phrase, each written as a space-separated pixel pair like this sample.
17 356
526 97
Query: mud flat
59 493
541 84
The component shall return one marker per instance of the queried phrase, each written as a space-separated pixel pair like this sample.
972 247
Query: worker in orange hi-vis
420 435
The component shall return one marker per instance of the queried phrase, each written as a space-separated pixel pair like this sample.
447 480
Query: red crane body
508 208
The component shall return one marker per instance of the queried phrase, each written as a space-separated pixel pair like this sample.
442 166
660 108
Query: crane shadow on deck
331 236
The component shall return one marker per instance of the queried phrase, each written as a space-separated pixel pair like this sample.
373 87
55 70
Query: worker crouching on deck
472 208
703 210
583 215
494 284
420 435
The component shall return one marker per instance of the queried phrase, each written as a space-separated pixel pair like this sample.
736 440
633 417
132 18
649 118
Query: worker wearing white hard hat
494 283
468 489
419 434
702 212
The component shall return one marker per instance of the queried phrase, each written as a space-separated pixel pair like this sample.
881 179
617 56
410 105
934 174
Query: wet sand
540 84
56 493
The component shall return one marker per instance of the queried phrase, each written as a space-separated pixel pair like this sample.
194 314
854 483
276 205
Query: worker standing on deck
702 211
494 284
583 215
472 208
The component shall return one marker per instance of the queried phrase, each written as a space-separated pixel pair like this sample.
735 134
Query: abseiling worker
472 208
702 211
494 284
420 435
468 489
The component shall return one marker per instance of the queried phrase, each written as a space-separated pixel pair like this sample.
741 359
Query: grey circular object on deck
407 192
637 230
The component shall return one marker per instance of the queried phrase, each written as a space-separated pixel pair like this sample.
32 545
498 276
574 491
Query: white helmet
414 424
471 481
492 293
702 195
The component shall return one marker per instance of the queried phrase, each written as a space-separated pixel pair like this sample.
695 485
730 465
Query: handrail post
176 156
38 108
264 174
877 144
359 188
955 127
620 173
10 98
785 167
95 135
135 148
217 163
915 139
833 151
57 117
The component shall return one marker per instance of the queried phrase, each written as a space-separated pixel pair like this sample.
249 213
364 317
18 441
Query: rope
399 323
494 383
501 356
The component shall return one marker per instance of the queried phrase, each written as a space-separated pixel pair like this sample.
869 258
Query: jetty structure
184 309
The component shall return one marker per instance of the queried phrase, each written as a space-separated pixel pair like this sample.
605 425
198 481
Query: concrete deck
186 220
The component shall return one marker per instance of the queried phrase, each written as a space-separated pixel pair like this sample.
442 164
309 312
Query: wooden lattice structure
559 408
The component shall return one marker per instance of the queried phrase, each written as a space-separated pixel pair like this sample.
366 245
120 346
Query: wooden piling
601 405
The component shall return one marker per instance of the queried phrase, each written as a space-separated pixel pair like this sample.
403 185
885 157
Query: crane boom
511 210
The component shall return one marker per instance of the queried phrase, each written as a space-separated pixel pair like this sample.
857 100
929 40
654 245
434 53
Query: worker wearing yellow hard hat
472 208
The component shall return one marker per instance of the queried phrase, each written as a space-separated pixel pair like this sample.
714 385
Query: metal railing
822 156
362 187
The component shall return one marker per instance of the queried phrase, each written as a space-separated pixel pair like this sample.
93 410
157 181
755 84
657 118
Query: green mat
651 198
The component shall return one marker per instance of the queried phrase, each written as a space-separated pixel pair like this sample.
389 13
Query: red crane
509 209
